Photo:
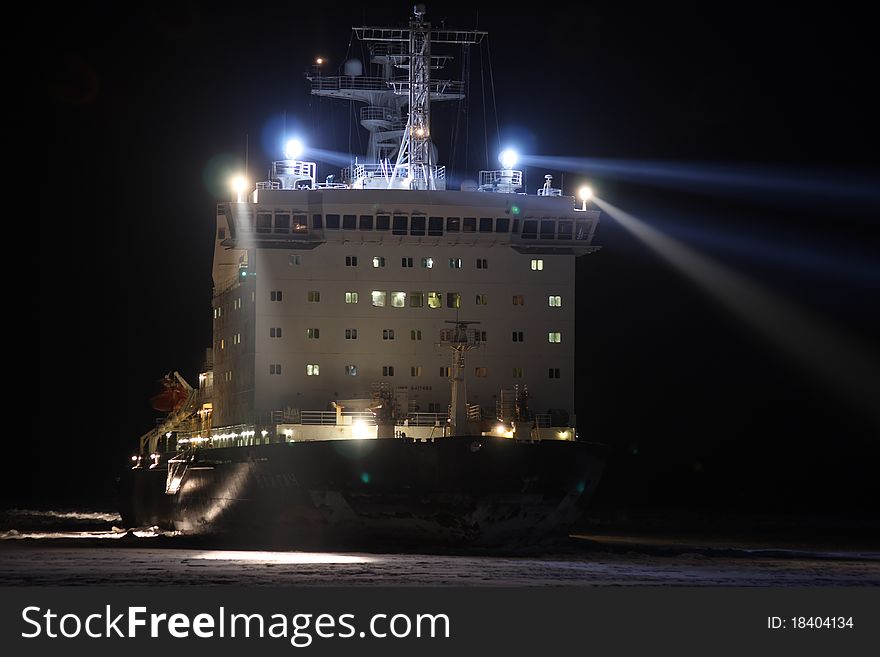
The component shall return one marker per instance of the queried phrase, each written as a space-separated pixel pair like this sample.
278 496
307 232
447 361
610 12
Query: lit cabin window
313 333
455 263
445 372
435 299
398 299
351 297
481 372
313 369
378 297
554 336
517 372
379 261
415 370
351 370
427 263
554 301
482 300
537 265
236 339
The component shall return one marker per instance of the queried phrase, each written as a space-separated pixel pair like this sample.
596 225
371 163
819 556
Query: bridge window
264 222
417 225
399 225
282 223
435 226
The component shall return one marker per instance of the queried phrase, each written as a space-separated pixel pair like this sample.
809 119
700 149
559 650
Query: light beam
848 369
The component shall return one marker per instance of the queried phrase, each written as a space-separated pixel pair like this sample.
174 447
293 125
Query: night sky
123 116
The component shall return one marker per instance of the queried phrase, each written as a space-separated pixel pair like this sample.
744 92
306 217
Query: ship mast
460 340
406 48
415 147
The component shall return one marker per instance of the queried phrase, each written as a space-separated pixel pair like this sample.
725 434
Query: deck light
239 184
293 149
508 158
585 193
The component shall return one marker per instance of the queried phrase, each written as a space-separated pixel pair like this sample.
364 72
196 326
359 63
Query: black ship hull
460 490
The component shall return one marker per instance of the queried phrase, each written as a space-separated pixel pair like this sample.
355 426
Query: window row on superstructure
415 299
386 335
417 225
314 369
407 262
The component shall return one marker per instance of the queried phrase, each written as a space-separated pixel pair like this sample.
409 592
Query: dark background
121 117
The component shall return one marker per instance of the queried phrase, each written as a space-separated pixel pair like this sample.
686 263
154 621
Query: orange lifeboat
171 397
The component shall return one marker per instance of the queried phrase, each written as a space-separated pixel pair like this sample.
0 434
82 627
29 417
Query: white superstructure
331 299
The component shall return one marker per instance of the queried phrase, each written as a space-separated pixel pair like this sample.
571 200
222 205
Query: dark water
88 547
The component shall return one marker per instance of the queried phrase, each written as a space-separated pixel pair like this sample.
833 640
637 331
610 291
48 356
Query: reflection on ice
282 557
143 532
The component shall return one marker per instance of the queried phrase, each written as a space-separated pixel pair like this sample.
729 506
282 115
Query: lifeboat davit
171 397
